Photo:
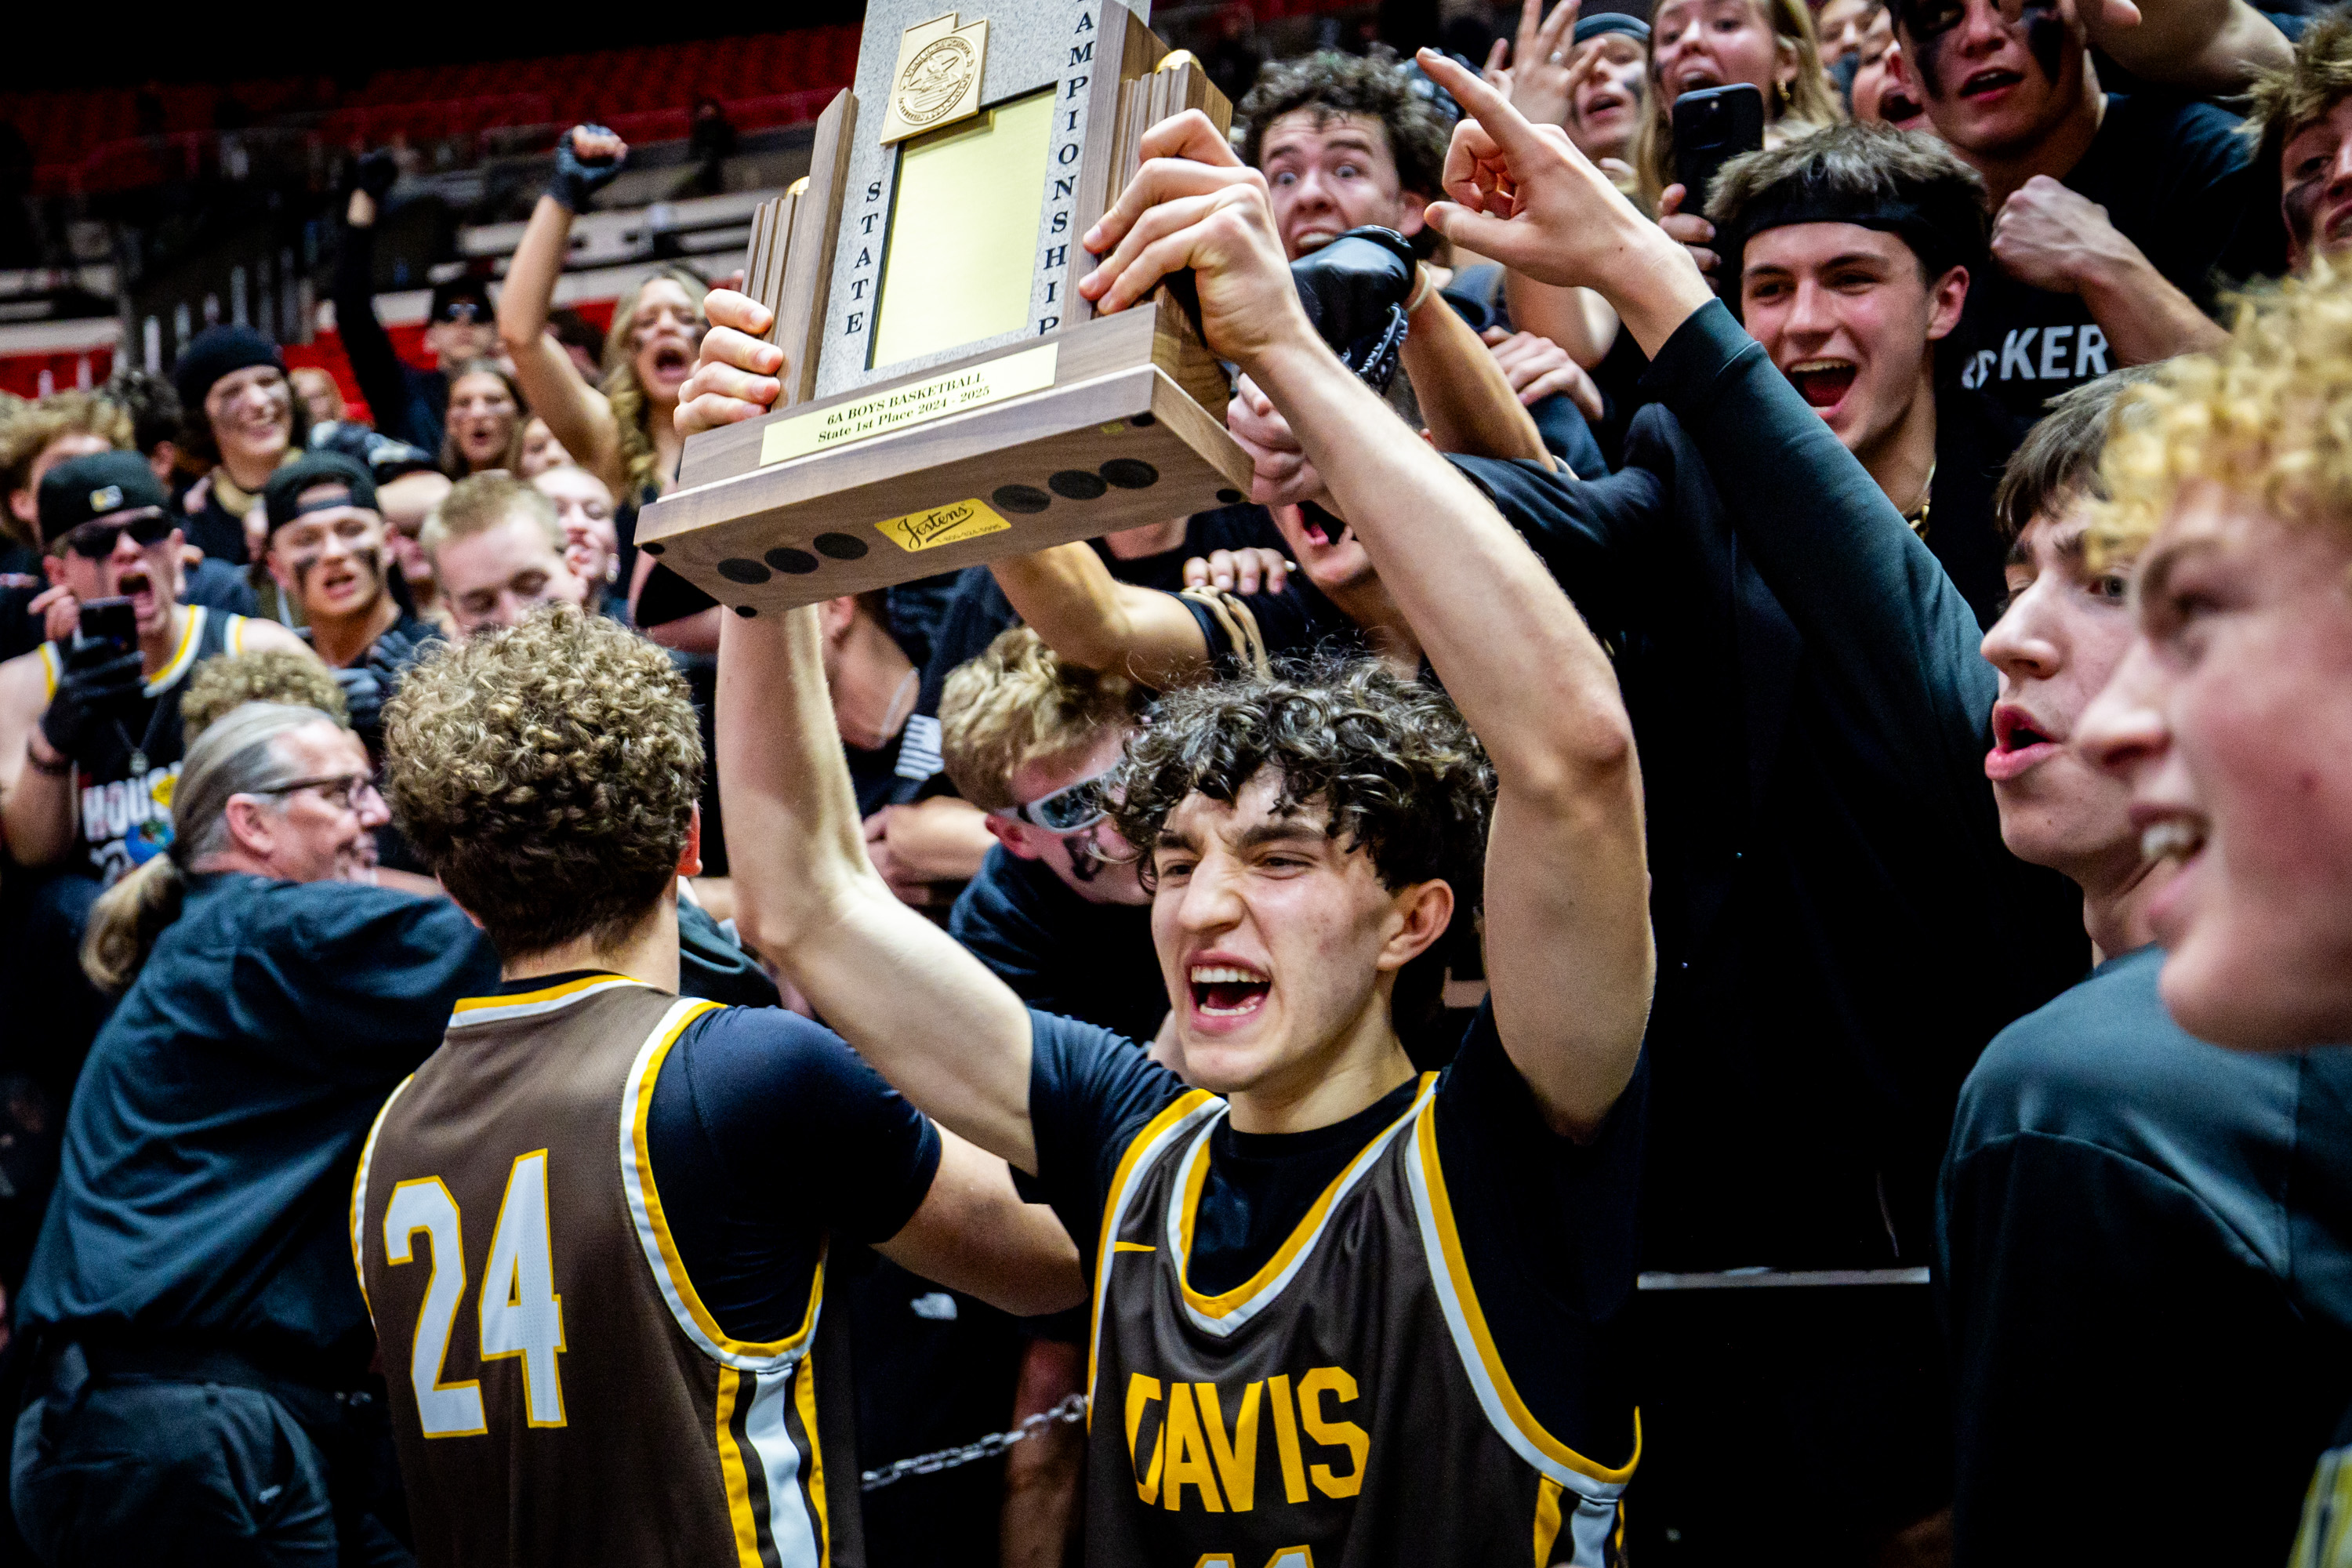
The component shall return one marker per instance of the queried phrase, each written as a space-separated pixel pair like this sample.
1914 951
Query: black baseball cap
282 498
101 486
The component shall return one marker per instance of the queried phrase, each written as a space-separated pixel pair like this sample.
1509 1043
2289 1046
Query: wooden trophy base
1102 427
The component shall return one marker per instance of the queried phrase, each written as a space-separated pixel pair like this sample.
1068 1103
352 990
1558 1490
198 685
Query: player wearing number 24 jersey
1342 1316
591 1228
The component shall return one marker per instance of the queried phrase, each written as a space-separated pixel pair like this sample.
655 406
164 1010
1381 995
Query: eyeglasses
96 540
1073 809
346 792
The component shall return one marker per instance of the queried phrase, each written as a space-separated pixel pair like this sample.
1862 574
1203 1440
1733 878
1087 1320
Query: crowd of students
1778 883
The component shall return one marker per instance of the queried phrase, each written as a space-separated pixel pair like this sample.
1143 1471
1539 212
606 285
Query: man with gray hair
199 1347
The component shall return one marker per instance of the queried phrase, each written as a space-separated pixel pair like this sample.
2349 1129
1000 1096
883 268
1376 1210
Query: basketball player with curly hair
1342 1311
592 1227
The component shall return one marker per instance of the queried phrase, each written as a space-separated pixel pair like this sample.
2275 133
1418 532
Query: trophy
948 396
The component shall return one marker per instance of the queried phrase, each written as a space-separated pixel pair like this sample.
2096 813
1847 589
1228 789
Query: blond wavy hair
2318 76
29 428
480 502
223 684
632 412
2268 417
1806 104
548 774
1018 704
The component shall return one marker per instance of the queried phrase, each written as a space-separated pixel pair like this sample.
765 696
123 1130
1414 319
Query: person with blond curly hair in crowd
671 1330
2230 716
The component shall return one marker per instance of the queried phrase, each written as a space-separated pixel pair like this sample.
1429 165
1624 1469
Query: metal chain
1071 1410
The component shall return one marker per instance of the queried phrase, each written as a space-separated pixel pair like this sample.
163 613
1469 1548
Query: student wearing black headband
1850 255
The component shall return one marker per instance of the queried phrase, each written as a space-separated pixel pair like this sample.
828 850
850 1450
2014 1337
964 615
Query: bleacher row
88 143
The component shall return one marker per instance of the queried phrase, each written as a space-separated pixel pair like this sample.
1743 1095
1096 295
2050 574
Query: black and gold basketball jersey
124 786
560 1393
1342 1408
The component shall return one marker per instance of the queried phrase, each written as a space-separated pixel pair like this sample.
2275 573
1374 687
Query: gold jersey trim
358 1193
1221 1315
669 1273
1500 1398
1174 1119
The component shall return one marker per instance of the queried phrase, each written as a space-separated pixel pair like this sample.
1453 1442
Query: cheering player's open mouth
1227 990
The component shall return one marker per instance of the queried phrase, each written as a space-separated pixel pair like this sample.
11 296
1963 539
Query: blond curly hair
229 681
548 774
1017 704
2268 417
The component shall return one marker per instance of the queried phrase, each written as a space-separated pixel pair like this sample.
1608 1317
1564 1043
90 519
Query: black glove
101 684
577 180
377 173
395 650
363 694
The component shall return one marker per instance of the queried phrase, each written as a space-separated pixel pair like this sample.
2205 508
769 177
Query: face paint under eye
2298 208
2045 34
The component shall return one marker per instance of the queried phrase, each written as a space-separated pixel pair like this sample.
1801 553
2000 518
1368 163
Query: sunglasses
96 540
466 311
1073 809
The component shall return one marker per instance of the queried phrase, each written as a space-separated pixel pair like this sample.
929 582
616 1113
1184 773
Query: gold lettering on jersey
1337 1434
1236 1459
1188 1454
1141 1394
1286 1440
1192 1449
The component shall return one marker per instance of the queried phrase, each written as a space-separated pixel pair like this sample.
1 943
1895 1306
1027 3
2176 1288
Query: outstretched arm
1568 932
1874 605
1465 399
2213 47
576 413
374 365
1097 622
927 1014
973 1234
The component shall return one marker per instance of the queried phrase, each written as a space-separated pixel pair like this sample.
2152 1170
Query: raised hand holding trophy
948 396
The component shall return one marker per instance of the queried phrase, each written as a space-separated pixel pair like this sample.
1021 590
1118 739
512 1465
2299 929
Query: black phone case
1713 126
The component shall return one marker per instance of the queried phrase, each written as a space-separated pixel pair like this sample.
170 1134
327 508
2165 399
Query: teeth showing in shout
2170 838
1806 367
1219 974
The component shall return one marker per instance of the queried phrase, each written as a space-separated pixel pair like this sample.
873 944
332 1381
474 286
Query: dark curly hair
1401 774
1376 84
547 774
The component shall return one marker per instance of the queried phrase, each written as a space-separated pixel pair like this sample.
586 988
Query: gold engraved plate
950 525
972 386
937 80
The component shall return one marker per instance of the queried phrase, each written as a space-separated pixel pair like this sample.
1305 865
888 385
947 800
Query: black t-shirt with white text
2178 180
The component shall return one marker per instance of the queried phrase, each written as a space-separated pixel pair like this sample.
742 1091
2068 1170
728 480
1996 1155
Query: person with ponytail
197 1335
